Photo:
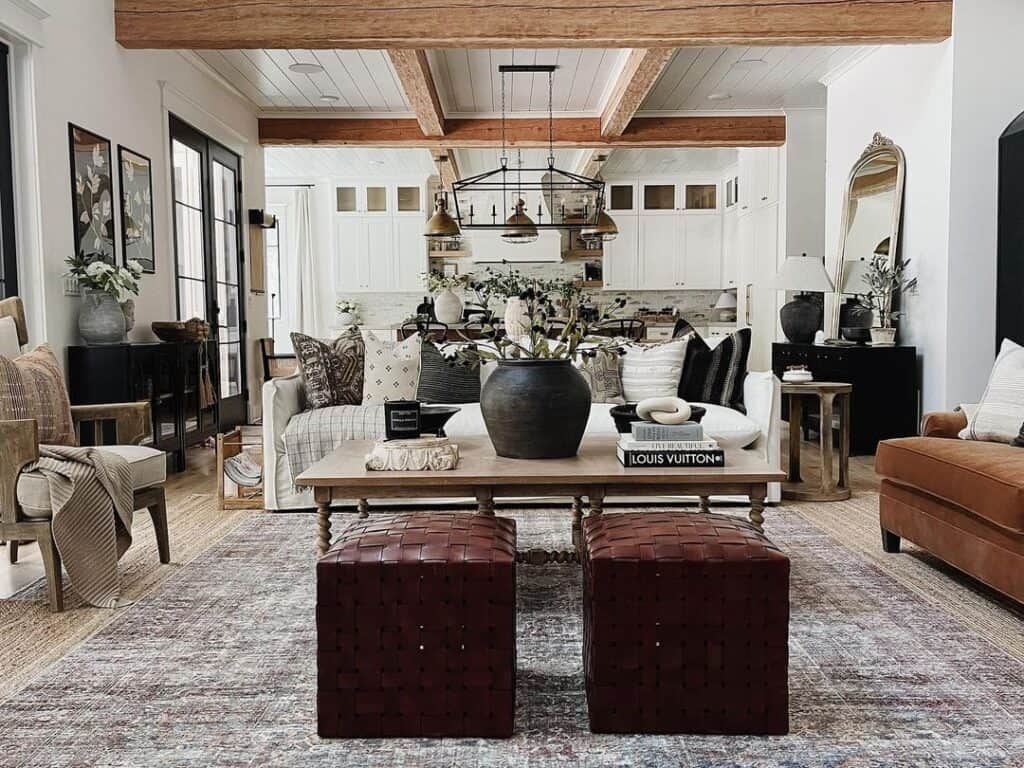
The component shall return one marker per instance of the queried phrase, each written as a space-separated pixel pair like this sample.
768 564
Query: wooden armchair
131 424
275 364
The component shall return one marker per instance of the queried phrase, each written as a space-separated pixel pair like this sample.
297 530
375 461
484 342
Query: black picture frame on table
92 188
131 210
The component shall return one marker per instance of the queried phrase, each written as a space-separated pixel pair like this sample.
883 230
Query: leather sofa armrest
943 424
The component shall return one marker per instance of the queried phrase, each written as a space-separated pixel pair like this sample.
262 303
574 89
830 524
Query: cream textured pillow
603 377
653 371
32 387
1000 413
392 369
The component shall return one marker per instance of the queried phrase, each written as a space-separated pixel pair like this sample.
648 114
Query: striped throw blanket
91 498
313 434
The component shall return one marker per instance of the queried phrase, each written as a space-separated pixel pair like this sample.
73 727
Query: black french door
8 256
209 256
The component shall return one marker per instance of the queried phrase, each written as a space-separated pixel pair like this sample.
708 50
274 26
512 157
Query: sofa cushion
652 370
715 375
603 377
1001 410
392 369
444 379
332 372
985 478
148 467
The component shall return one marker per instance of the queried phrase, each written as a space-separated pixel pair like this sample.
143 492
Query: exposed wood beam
201 24
717 131
447 167
642 69
414 72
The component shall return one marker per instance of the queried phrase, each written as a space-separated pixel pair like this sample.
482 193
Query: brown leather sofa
961 500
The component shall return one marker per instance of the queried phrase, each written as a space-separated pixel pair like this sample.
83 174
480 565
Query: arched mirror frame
880 146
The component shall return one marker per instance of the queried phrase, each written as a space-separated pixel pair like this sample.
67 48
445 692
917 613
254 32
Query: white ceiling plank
442 80
481 80
708 84
457 61
386 80
352 99
250 71
265 62
216 61
363 80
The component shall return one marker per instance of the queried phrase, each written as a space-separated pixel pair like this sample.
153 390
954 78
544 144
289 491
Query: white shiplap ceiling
469 84
347 162
666 162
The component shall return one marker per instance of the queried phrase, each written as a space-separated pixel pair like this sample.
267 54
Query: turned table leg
796 410
828 478
577 521
323 527
484 501
757 497
596 501
363 507
705 503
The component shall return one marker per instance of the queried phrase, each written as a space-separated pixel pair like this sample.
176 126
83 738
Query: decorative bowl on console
625 415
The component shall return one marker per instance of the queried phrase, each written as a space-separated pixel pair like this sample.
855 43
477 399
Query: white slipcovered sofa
759 430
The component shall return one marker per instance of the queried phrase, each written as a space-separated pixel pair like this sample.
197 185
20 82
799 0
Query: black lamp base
801 319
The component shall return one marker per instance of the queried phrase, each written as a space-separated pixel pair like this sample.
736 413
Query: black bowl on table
859 335
625 415
434 417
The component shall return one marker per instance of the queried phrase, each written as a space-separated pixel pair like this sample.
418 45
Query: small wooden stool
827 393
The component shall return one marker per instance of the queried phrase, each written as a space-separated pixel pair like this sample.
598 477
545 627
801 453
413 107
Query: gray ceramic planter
535 409
101 319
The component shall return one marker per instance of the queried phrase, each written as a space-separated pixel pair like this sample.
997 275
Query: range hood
487 247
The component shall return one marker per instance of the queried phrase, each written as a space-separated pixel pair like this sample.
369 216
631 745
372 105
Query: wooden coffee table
594 474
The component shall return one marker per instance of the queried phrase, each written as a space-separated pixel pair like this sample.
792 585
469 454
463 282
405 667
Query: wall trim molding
24 19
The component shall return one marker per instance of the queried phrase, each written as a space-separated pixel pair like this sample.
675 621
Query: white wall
805 182
905 92
988 94
81 75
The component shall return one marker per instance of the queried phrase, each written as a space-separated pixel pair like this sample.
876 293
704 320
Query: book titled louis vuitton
702 458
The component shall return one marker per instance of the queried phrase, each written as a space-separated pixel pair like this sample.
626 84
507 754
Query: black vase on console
801 318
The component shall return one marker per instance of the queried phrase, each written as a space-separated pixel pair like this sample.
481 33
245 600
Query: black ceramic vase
800 319
535 409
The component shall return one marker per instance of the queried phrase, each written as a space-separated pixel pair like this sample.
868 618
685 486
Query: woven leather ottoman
416 627
685 625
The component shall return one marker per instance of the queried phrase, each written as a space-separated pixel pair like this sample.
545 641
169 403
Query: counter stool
685 625
416 627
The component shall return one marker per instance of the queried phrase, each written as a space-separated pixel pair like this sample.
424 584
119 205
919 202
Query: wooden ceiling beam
714 131
201 24
414 73
641 71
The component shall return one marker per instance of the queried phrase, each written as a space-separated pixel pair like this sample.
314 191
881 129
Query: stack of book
668 445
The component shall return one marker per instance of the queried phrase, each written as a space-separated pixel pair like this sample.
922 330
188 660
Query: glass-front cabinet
620 197
658 197
378 199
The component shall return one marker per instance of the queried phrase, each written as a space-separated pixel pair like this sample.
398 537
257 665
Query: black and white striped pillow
716 375
444 381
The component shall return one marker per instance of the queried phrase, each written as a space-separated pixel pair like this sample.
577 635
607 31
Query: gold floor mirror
872 211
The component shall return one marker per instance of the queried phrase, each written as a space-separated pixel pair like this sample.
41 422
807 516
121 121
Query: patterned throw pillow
604 378
441 381
32 387
1001 410
716 375
652 370
332 372
392 370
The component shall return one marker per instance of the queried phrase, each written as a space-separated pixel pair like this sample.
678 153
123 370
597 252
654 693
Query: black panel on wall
1010 285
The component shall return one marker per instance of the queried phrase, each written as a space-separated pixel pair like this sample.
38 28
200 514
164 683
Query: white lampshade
855 273
726 300
803 273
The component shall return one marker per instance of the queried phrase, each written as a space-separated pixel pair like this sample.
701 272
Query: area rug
217 669
32 637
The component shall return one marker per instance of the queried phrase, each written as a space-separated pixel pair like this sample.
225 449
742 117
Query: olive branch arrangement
885 281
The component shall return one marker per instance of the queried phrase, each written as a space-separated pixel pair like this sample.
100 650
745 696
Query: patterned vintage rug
217 669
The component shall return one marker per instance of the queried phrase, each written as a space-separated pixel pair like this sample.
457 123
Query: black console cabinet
885 401
169 375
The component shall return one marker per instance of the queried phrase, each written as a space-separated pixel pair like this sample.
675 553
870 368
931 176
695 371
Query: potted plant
347 313
885 281
448 305
507 286
536 404
106 297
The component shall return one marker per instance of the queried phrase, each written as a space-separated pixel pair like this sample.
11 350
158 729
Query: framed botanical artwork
136 177
92 195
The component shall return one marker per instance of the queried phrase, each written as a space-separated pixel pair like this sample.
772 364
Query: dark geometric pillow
442 380
332 373
716 375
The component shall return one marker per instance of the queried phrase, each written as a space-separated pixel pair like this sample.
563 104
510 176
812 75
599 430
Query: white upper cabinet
384 199
352 266
659 198
410 200
758 178
410 253
660 253
621 198
730 249
702 252
620 256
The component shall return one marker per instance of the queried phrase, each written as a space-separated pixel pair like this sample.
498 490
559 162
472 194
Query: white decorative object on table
517 318
347 313
417 455
448 307
798 376
664 410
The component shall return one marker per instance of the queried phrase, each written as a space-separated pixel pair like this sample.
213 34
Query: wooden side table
828 393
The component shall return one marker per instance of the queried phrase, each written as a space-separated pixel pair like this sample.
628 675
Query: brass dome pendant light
563 198
604 229
441 226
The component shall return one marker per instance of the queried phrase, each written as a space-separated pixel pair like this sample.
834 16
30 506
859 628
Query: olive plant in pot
106 297
885 282
536 403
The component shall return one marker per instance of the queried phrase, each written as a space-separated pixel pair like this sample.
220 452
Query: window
8 254
208 248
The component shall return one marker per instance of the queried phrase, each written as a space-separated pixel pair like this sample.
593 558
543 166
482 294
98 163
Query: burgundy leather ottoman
416 627
685 625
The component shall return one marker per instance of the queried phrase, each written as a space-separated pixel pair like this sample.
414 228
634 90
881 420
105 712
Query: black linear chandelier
501 199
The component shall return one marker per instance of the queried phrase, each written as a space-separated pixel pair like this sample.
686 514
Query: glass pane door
188 230
229 321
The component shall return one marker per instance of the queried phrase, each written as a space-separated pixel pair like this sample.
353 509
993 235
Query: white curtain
308 305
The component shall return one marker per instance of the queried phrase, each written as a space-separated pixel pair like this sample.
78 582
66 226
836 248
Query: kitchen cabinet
620 264
379 253
758 184
363 200
410 255
621 198
681 251
730 249
659 198
757 299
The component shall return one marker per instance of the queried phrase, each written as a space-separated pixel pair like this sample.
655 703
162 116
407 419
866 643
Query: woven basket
189 330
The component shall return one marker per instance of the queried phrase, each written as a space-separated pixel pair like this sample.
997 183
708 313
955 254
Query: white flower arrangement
436 282
347 307
99 275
